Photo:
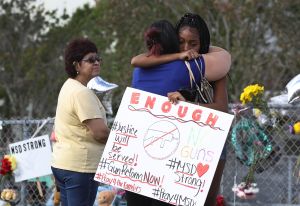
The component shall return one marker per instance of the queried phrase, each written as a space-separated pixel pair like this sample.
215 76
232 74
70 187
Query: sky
70 5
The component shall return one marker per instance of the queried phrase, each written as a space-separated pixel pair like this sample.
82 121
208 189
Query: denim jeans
76 188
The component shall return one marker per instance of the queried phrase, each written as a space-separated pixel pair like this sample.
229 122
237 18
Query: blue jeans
76 188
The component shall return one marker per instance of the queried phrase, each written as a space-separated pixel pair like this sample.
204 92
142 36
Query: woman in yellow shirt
80 127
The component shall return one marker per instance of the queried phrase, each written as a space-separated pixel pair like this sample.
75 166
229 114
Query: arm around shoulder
217 63
99 129
144 60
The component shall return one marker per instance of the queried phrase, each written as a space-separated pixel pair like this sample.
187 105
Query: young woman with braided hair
194 34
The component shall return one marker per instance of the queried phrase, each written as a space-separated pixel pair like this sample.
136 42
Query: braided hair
161 38
195 21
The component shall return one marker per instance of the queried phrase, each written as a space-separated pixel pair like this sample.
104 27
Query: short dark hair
161 38
75 51
195 21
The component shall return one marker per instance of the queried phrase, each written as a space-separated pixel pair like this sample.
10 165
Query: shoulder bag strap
200 68
205 85
188 66
192 78
191 75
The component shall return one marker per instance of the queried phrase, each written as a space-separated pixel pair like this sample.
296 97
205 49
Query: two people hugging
162 70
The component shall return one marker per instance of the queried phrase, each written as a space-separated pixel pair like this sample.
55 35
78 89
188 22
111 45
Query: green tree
24 70
261 37
117 29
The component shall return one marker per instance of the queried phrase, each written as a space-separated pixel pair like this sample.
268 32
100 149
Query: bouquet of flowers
295 130
220 201
253 127
8 165
253 97
248 189
253 94
251 139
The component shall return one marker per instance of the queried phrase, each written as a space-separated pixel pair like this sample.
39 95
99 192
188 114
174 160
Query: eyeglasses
93 59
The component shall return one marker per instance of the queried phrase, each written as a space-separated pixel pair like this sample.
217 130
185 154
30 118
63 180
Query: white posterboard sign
33 157
164 151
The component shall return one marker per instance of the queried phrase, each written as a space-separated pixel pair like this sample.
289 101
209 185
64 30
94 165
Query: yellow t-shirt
75 148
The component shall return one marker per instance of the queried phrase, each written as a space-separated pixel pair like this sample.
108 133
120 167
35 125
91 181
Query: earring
77 72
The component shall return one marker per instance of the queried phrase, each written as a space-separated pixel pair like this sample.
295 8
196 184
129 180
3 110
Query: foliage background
260 35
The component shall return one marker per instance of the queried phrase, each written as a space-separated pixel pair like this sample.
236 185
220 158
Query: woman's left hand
188 55
174 97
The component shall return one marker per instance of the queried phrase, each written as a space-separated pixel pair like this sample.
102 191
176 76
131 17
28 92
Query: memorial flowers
255 126
251 139
295 130
248 189
8 165
253 96
220 200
